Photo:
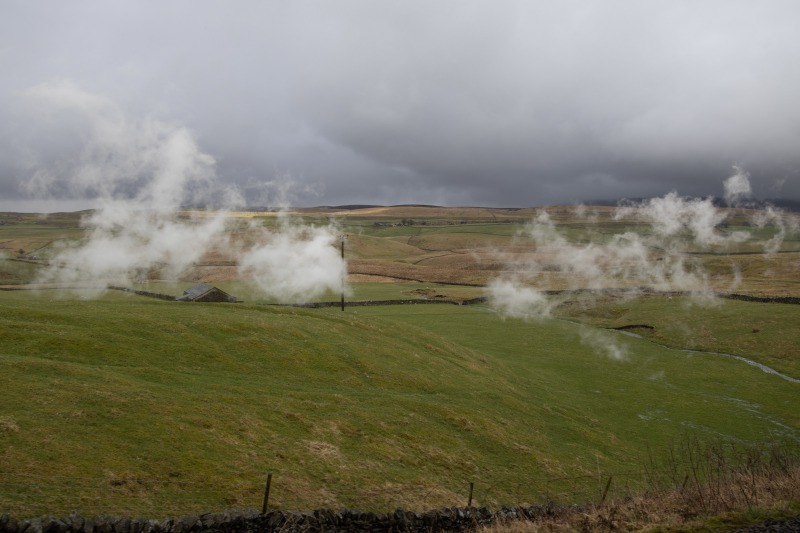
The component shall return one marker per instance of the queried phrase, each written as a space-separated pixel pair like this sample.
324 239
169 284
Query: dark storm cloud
502 103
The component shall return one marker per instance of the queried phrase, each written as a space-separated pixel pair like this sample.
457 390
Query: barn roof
201 291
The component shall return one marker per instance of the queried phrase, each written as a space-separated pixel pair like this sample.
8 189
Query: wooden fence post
345 274
266 494
471 487
605 492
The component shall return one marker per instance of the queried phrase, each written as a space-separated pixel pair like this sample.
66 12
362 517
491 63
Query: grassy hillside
133 405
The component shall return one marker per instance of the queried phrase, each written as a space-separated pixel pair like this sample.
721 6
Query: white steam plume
783 225
512 298
298 264
141 173
673 217
604 343
654 257
737 187
622 260
738 191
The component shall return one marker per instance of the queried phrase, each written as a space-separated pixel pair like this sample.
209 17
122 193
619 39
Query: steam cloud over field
657 257
618 261
297 264
142 172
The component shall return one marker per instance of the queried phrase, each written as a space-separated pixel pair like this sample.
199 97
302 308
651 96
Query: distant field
117 403
445 245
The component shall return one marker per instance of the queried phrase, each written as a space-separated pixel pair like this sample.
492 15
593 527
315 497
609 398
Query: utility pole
344 276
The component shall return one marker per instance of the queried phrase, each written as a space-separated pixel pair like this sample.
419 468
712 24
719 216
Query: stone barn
205 293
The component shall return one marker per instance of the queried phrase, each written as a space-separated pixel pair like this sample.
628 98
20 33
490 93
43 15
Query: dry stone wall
250 521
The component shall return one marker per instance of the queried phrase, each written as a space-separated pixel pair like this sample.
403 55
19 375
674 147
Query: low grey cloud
450 102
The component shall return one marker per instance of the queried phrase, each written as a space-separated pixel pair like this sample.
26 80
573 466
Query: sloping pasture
132 405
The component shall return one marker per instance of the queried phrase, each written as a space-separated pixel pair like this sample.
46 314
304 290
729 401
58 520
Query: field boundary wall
251 521
143 293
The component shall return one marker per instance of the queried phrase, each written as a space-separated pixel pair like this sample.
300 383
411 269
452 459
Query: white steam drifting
655 255
672 217
141 173
772 217
603 343
298 264
623 260
513 299
737 187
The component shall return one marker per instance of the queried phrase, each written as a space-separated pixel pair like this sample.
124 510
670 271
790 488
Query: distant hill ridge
786 204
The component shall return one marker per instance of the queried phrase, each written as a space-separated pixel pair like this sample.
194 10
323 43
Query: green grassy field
128 404
762 332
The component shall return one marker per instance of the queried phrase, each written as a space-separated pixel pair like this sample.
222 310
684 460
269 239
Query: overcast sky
494 103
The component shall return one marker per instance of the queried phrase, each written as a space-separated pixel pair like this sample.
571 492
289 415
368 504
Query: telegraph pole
344 276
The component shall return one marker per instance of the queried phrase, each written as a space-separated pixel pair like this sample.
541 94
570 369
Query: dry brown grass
407 495
368 247
26 245
418 273
370 278
715 492
8 424
323 450
684 510
210 274
459 241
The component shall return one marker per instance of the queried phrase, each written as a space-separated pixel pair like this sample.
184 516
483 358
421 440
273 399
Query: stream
762 367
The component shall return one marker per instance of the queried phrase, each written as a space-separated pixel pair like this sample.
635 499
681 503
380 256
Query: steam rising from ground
297 264
617 261
774 217
737 187
603 343
671 217
513 299
142 172
654 254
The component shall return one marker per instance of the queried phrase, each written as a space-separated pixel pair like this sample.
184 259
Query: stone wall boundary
251 521
149 294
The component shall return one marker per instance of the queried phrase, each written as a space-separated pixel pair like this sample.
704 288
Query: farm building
205 293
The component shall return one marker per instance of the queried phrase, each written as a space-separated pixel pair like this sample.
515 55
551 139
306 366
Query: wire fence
160 497
26 496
